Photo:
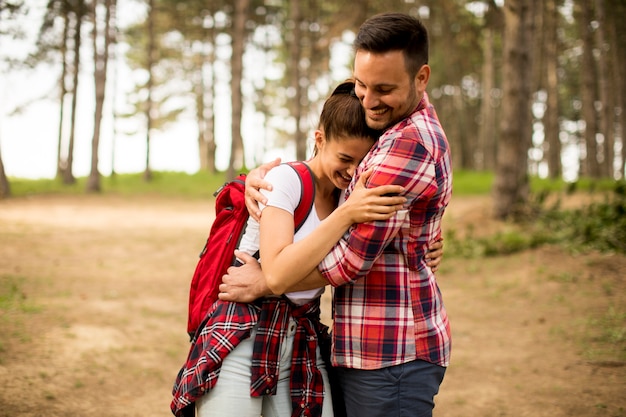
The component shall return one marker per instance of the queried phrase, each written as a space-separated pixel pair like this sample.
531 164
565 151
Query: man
391 336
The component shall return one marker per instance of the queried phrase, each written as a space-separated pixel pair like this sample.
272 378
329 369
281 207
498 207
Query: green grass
481 183
202 185
174 184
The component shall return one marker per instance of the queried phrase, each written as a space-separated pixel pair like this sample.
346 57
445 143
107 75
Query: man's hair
395 32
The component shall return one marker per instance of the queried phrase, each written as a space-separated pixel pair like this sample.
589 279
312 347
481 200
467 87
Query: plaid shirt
227 324
396 313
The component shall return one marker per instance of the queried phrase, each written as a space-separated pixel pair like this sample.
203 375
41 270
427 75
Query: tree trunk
588 90
617 36
552 142
5 187
205 111
295 16
147 173
101 64
485 153
605 95
238 38
62 92
68 175
511 184
490 104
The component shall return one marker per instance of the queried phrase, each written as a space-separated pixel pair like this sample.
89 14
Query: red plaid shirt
227 324
387 306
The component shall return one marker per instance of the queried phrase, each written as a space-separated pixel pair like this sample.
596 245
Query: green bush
600 226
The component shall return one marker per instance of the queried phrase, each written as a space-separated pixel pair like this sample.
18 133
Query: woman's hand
255 182
369 204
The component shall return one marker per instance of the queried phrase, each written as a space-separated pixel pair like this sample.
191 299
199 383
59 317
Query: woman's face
340 156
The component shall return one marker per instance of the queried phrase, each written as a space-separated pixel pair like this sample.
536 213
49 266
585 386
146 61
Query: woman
264 357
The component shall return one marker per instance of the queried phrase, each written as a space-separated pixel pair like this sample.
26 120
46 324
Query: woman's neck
324 187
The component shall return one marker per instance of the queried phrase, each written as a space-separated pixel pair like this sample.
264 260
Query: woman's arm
254 183
286 263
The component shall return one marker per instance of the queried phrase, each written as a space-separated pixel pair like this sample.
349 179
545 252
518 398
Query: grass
203 184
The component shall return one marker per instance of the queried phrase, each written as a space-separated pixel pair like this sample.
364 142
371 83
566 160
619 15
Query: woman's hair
343 115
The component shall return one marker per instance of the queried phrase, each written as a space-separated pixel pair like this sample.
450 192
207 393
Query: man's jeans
397 391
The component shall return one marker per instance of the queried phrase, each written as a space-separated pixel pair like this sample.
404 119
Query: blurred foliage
600 225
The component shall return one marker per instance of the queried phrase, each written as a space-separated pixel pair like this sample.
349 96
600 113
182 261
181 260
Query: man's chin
376 124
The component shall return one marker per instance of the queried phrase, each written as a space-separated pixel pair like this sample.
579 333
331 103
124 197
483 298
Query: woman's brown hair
343 115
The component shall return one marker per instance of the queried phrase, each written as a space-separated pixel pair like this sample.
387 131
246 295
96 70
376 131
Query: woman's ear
320 139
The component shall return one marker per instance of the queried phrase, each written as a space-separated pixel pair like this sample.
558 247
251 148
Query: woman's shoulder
286 185
283 173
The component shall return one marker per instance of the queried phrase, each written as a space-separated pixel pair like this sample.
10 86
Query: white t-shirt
285 195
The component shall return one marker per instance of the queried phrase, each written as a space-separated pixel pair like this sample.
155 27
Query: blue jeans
403 390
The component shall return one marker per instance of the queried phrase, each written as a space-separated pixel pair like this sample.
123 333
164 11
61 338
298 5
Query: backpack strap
307 196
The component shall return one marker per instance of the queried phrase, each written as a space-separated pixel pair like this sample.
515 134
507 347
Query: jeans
403 390
231 395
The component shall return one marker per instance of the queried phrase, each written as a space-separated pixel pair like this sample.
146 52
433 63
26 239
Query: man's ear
422 77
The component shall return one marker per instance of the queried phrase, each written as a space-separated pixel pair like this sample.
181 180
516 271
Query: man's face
385 89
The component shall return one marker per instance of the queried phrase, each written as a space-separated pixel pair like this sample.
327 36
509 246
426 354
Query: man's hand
255 182
243 283
434 254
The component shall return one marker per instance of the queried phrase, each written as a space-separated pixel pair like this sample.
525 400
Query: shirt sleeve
399 160
286 189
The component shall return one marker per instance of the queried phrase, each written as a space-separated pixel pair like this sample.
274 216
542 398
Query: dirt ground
93 297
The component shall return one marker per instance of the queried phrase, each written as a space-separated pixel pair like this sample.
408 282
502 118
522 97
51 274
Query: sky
28 139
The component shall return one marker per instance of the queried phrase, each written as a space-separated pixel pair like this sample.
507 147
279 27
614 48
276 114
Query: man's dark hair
395 32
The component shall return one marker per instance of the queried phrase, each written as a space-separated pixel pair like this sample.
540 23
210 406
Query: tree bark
205 111
295 16
588 91
617 36
238 39
485 154
101 64
511 184
604 94
488 128
552 141
5 187
147 174
68 175
62 91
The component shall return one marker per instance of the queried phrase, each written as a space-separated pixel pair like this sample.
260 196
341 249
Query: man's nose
369 99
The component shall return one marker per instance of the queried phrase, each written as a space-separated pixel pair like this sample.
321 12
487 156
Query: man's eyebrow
384 86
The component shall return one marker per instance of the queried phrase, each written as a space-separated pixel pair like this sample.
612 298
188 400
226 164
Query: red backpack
231 216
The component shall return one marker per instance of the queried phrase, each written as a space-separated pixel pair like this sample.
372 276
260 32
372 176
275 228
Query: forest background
95 269
523 87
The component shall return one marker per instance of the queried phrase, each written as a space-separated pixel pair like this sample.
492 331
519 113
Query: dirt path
93 294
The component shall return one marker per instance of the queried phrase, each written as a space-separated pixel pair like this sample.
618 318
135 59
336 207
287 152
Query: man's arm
255 182
246 283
